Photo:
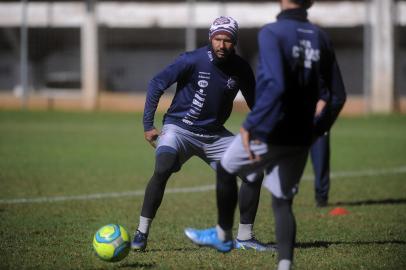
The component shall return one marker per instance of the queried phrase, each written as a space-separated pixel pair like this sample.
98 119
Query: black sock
227 196
154 193
285 227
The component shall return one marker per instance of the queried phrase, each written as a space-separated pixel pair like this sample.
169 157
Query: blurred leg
285 227
320 154
248 201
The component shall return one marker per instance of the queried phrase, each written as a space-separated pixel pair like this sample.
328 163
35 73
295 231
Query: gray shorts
186 144
283 165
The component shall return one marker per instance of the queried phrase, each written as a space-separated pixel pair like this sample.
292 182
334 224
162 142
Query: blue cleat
140 241
208 238
254 244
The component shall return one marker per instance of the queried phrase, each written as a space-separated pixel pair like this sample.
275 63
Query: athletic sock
284 265
144 224
245 232
223 235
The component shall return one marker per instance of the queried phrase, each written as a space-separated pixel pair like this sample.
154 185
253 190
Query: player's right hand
151 136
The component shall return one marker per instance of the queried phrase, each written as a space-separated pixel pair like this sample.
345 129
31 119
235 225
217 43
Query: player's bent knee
166 163
279 203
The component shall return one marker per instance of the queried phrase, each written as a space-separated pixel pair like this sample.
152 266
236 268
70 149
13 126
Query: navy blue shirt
205 91
296 67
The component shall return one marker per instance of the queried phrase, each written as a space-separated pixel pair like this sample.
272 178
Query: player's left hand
245 137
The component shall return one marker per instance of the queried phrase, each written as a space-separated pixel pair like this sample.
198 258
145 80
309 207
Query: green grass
49 154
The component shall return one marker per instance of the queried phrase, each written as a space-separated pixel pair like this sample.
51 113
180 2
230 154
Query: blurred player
208 80
296 61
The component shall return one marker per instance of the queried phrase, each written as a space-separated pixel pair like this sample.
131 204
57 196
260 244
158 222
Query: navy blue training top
296 67
205 91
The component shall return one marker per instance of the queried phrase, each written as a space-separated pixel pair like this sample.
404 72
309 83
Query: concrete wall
130 57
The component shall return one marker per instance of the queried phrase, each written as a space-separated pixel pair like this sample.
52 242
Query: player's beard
227 55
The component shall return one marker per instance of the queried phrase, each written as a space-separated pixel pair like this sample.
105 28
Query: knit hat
224 26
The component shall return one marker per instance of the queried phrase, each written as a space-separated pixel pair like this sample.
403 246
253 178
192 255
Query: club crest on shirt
232 82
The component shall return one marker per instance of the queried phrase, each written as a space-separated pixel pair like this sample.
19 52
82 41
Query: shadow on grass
326 244
370 202
138 265
171 249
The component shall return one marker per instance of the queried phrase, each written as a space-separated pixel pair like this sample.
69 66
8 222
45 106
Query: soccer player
296 61
208 80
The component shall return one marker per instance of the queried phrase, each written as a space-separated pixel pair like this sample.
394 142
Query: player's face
222 46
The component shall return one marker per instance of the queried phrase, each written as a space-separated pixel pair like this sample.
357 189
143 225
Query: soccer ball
111 243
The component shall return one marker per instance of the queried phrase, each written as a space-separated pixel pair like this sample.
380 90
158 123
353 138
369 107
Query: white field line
136 193
362 173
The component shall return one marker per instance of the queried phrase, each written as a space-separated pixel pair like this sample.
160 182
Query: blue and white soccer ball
111 243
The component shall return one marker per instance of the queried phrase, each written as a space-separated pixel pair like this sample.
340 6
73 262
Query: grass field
64 175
